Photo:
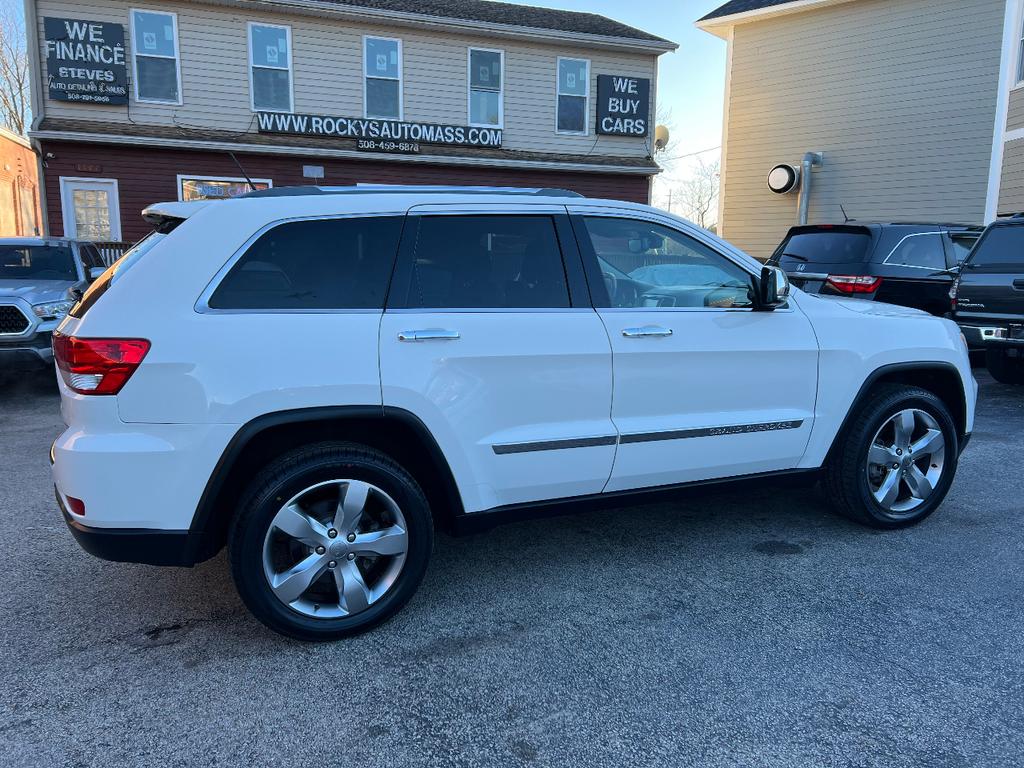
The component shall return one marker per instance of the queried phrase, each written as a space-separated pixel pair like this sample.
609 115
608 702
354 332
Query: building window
573 96
155 56
382 84
486 83
270 68
216 187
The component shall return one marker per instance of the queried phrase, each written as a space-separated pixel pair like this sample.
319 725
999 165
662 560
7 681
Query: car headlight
53 309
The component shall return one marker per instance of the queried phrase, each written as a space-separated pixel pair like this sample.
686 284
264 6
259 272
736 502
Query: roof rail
376 189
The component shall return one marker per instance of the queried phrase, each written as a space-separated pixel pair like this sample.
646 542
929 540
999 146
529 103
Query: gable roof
741 6
508 14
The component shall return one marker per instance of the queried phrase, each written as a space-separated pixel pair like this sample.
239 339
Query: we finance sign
385 130
85 61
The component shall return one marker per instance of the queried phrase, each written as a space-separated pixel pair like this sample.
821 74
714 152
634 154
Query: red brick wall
147 176
20 213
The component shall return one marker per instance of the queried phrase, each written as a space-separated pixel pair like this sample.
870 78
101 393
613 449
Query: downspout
36 99
810 160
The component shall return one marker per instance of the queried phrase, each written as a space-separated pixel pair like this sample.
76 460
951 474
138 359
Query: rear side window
488 262
316 264
826 247
923 251
1001 249
962 245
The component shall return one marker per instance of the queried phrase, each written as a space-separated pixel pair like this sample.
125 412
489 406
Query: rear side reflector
854 283
97 366
77 506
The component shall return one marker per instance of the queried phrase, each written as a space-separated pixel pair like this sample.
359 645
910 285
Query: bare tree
697 195
15 109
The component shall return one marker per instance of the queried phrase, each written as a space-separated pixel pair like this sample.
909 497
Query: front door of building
91 209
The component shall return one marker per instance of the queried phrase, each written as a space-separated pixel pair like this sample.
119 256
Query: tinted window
962 245
322 264
1000 248
484 262
90 256
923 251
825 247
648 265
37 262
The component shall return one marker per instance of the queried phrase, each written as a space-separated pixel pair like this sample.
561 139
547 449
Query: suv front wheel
331 540
893 465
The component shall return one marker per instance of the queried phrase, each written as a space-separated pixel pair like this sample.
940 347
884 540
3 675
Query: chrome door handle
647 330
428 334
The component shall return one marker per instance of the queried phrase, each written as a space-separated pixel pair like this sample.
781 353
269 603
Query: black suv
908 264
988 299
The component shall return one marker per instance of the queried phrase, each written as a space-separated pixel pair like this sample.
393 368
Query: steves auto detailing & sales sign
85 61
378 134
623 105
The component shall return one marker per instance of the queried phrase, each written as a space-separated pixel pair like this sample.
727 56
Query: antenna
252 187
846 219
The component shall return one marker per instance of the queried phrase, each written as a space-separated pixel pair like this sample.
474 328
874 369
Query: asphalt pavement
738 627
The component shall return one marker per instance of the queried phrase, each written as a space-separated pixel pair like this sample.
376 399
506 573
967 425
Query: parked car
39 278
988 299
319 376
912 265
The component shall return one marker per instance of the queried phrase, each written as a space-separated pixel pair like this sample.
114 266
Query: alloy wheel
905 461
335 548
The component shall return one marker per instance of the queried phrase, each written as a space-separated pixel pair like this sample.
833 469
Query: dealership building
189 100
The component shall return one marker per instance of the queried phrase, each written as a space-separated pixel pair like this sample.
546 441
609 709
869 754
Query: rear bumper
981 336
132 545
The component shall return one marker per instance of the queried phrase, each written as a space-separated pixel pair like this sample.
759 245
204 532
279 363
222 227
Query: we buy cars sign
623 105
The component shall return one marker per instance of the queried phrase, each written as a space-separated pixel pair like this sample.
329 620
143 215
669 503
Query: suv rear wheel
894 463
330 541
1005 365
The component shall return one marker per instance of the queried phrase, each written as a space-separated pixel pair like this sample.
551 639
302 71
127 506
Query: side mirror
773 289
95 272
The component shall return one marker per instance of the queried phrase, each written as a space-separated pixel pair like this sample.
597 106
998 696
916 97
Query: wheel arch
938 377
395 431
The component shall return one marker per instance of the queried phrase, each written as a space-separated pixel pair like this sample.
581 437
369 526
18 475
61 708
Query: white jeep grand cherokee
316 377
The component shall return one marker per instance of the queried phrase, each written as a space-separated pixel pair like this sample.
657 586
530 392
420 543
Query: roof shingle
742 6
508 14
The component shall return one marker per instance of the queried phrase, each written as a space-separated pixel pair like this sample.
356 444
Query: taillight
854 283
97 366
953 290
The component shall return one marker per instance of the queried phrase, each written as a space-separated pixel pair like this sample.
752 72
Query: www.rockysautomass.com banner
370 128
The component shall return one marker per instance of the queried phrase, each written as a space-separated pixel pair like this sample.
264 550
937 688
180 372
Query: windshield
103 282
1000 248
825 247
37 262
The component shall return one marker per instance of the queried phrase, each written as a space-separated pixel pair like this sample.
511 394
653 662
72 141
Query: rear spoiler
164 217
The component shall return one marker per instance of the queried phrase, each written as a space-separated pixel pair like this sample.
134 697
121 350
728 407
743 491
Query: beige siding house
135 102
915 120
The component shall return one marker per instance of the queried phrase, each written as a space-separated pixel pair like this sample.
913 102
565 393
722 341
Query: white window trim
252 65
469 88
66 205
585 97
195 177
400 78
135 54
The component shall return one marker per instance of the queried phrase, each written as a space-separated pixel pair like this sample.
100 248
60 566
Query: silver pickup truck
40 280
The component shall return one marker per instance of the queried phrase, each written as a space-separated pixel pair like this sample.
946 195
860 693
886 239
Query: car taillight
854 283
953 290
97 366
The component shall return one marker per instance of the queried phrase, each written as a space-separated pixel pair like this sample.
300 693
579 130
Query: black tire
845 478
290 475
1005 365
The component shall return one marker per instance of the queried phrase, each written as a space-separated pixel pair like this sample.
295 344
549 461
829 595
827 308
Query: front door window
91 209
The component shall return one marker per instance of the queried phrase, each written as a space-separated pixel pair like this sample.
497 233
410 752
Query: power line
694 154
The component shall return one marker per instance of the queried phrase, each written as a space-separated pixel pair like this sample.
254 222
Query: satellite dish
783 179
660 137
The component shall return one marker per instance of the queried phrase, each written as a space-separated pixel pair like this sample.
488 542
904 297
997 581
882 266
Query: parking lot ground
732 628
